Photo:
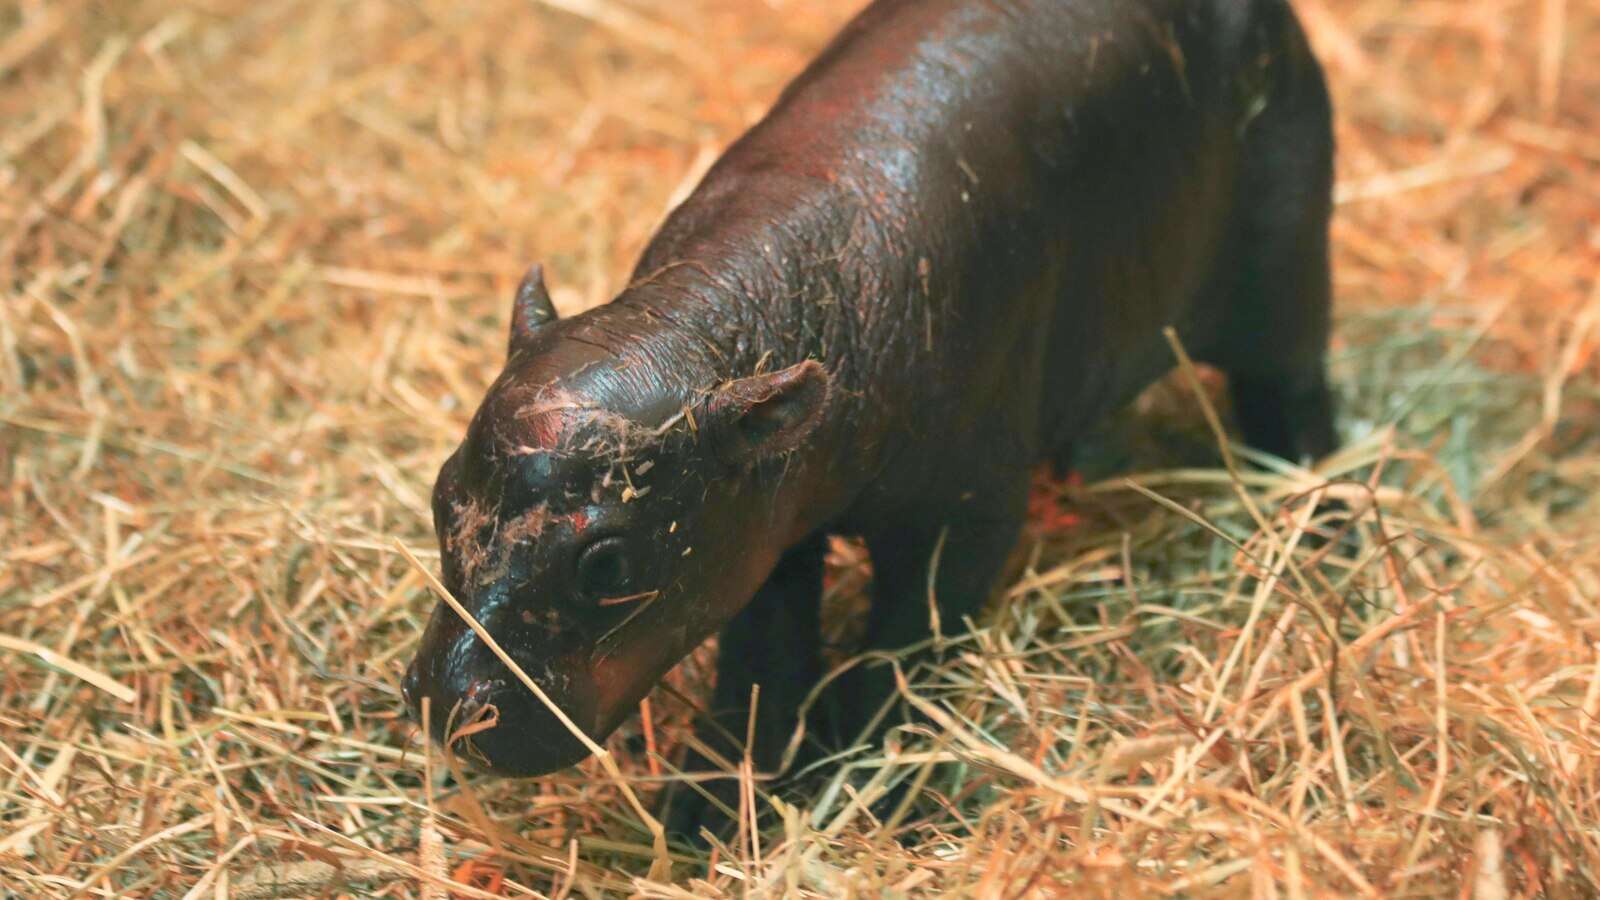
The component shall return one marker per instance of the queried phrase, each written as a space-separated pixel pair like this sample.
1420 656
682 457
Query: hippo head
602 517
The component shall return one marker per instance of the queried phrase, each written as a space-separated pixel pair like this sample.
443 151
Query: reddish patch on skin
548 428
543 416
1045 509
580 521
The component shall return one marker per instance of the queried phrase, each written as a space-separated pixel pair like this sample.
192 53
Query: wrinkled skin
951 247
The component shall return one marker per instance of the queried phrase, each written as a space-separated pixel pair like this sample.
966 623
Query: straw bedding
255 261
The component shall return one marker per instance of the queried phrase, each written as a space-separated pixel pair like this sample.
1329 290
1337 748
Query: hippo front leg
964 545
775 643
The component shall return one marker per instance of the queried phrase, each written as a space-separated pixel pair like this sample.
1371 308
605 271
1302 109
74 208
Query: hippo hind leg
1289 416
1274 341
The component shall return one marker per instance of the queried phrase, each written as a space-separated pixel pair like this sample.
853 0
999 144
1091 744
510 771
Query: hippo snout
466 685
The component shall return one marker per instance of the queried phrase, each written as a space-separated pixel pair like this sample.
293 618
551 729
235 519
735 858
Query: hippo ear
763 416
531 308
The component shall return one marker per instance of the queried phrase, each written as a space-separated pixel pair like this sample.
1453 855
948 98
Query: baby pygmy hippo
951 247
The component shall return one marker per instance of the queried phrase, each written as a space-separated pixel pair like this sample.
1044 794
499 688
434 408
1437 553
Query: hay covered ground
254 267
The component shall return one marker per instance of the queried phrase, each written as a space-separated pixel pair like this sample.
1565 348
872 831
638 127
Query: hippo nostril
469 703
478 691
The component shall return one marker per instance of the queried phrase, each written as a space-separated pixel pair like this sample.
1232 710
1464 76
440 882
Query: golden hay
255 260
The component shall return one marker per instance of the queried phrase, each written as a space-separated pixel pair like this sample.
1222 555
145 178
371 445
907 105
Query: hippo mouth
486 716
496 725
482 712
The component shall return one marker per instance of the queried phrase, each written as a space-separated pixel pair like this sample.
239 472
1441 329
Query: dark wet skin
950 248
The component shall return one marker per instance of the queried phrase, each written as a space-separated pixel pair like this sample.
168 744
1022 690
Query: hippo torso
979 217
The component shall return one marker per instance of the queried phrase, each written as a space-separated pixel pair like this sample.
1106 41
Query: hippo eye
603 570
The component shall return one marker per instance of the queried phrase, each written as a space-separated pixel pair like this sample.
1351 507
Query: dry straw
254 267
